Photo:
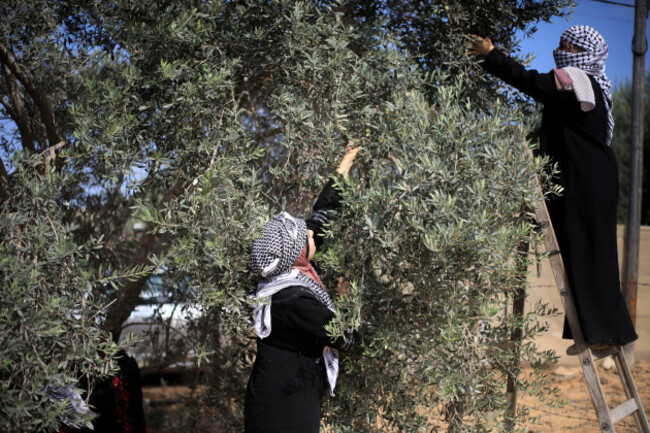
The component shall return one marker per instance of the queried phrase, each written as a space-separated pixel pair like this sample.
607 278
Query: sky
614 22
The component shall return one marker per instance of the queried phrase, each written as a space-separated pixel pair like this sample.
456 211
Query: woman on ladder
576 133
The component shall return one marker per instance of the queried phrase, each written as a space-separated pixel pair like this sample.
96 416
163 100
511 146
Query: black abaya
285 389
584 216
286 386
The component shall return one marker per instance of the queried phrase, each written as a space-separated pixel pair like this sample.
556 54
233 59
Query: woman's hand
480 46
350 153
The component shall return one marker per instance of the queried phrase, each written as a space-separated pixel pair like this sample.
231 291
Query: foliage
47 313
435 260
622 113
436 199
435 32
172 130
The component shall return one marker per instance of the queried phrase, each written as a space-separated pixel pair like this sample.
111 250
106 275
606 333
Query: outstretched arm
328 199
346 162
540 86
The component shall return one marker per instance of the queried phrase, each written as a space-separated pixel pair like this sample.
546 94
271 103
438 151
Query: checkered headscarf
282 241
591 60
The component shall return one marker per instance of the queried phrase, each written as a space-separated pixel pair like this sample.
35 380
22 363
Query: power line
603 17
612 3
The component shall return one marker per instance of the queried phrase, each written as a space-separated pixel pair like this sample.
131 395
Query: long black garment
285 389
117 401
584 216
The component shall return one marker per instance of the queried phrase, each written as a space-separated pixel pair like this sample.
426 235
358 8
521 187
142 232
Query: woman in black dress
576 133
294 353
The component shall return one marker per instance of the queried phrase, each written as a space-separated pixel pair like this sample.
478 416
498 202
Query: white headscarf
591 60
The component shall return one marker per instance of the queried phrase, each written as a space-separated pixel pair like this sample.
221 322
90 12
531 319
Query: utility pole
630 275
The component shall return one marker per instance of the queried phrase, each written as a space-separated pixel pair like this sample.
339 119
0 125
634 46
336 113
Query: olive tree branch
47 114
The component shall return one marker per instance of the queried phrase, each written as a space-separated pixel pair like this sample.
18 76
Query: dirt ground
577 413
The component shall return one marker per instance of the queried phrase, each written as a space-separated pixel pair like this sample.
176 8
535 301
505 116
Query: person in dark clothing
576 133
117 401
294 352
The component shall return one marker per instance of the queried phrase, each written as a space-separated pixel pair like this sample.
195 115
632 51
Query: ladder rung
623 410
600 354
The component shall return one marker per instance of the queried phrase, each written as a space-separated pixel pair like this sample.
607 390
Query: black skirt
284 392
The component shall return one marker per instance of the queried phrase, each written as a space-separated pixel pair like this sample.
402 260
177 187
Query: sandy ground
577 413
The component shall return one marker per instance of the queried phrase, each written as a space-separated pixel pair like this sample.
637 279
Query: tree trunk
127 298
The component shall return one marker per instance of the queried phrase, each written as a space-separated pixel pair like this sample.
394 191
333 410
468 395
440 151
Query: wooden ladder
607 416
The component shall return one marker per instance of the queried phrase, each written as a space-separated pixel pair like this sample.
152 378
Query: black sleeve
539 86
329 199
311 317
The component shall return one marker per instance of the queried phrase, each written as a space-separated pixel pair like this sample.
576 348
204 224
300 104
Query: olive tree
157 137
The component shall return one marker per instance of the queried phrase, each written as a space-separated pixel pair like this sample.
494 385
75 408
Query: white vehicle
163 328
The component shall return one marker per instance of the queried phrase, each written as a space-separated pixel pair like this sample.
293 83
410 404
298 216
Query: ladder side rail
588 367
559 271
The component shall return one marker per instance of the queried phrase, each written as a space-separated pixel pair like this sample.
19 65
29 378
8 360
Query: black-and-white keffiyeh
591 60
282 240
268 287
272 256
